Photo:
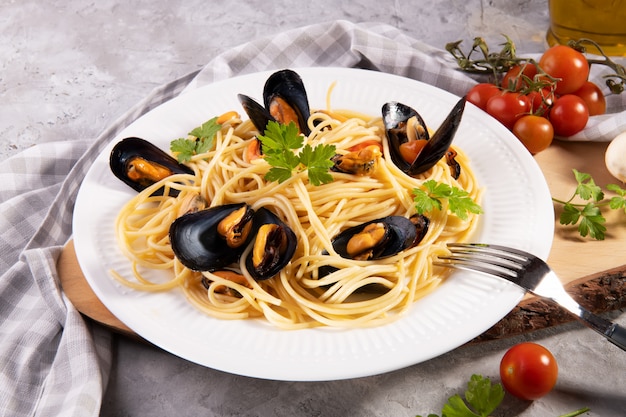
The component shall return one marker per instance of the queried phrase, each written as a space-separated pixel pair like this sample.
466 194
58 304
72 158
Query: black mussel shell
395 117
440 142
287 85
395 114
256 112
123 159
197 243
280 247
401 234
421 223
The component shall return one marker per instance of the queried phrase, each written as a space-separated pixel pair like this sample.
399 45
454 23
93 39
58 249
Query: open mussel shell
199 244
274 246
399 234
284 100
394 114
395 118
283 93
258 114
139 164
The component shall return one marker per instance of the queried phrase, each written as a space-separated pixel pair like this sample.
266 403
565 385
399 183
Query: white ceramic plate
518 212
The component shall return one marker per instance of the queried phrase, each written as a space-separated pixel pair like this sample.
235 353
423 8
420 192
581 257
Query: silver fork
530 273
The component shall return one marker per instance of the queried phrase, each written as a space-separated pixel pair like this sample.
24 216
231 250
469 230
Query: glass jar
603 21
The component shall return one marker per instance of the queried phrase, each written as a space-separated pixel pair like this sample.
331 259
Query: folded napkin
51 361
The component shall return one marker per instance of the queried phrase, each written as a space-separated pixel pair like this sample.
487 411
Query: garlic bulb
615 157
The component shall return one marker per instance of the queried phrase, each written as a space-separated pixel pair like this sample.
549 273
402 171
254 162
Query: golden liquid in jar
603 21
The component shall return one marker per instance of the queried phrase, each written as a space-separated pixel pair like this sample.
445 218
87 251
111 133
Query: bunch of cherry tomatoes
540 100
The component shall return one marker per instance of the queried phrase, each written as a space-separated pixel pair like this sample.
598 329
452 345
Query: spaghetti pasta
299 296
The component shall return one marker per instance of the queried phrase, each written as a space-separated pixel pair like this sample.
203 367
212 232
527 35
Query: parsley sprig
588 215
279 143
200 140
482 397
432 194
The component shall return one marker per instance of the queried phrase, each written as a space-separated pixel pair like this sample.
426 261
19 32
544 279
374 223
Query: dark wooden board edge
599 293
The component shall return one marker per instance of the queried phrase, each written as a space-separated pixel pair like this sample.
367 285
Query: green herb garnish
200 140
481 395
481 399
587 215
280 141
430 198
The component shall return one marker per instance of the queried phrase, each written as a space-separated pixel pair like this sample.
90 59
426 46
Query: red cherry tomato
535 132
593 97
481 93
568 64
568 115
540 101
365 144
508 107
528 371
514 79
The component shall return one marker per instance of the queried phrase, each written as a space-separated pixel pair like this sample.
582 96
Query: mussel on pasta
403 124
284 100
211 239
140 164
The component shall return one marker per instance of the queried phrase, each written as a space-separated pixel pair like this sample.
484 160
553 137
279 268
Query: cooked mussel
212 238
360 162
274 246
139 164
284 100
376 239
400 127
421 223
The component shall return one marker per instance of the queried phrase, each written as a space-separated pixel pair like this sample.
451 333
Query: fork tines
489 259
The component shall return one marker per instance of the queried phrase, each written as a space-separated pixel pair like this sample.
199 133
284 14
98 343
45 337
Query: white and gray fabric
51 361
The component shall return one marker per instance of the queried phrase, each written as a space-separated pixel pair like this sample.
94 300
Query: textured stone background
70 68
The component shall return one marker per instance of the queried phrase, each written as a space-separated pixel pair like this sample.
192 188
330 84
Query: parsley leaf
318 162
588 215
200 140
587 188
619 201
279 138
184 148
483 397
430 198
279 143
592 222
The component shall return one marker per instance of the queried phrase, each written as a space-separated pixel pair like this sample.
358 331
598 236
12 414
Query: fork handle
617 335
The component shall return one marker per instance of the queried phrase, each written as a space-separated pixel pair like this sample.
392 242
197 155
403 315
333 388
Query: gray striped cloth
52 362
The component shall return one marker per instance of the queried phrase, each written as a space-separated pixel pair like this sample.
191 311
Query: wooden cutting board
593 271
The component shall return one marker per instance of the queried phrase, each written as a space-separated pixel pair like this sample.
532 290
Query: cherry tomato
540 101
514 79
593 97
508 107
409 150
535 132
481 93
528 371
365 144
568 115
568 64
